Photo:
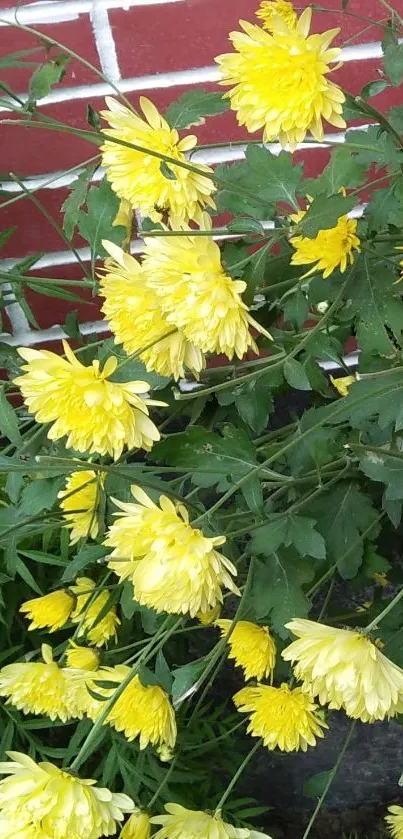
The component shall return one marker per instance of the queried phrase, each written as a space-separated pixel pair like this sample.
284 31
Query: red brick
76 34
196 33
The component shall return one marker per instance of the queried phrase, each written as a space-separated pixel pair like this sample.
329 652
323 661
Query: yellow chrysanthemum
124 219
85 614
329 249
52 610
252 647
144 712
37 687
136 318
82 658
269 8
137 826
139 177
342 383
210 616
395 821
80 501
173 567
345 669
95 414
196 295
39 800
181 823
301 97
286 719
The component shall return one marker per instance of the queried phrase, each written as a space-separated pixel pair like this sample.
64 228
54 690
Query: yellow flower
37 687
39 800
173 567
196 295
210 616
95 414
124 219
136 318
395 821
286 719
82 658
97 633
380 578
252 647
144 712
139 177
269 8
180 823
137 826
329 249
342 383
52 610
345 669
300 97
82 493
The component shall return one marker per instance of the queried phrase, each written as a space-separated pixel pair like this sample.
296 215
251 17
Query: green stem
22 194
237 775
149 651
386 610
331 778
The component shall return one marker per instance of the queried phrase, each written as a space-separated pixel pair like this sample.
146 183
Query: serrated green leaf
8 420
324 212
343 170
274 175
97 222
374 88
393 61
374 304
342 514
295 374
296 309
43 79
39 495
277 589
193 106
298 531
75 200
374 145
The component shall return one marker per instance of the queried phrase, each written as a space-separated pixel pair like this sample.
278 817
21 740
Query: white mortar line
197 75
64 10
225 154
104 41
55 258
28 337
16 315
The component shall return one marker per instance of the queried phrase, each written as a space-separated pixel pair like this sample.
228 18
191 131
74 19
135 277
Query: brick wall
143 46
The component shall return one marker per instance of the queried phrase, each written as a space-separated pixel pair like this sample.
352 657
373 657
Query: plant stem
237 775
150 650
330 780
385 612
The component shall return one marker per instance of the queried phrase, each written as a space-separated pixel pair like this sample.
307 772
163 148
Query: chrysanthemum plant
199 512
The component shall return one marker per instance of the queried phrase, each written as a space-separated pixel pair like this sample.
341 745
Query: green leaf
133 370
87 556
375 306
166 171
245 225
324 212
343 170
373 88
289 530
193 106
275 175
163 672
9 420
39 495
386 468
393 59
296 309
97 223
129 607
342 514
316 784
75 200
185 680
26 575
277 589
295 374
374 145
254 403
43 79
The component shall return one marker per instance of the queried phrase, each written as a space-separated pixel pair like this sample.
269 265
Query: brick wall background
157 47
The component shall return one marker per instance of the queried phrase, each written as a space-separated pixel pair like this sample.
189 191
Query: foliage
304 483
